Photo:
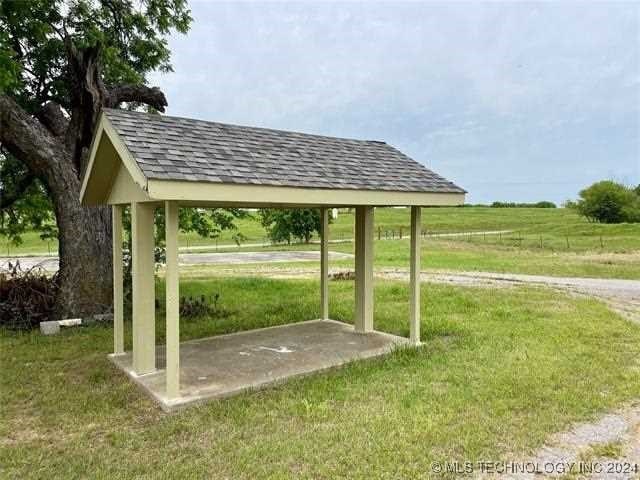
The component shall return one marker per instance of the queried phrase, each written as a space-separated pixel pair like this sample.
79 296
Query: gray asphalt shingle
172 148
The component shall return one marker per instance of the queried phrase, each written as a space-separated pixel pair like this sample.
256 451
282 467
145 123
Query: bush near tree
609 202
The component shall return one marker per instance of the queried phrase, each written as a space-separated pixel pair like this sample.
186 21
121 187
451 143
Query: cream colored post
364 270
143 294
414 276
118 297
324 264
172 281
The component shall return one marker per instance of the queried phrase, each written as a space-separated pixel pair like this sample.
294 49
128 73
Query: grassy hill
531 228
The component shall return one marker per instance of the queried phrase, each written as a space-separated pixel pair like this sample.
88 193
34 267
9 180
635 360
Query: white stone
50 328
70 322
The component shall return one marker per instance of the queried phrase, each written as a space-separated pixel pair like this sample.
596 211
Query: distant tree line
542 204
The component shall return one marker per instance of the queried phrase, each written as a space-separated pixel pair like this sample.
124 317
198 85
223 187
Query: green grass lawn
500 370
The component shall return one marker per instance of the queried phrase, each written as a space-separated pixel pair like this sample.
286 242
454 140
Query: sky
512 101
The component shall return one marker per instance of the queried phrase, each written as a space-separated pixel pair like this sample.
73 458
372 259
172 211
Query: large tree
61 62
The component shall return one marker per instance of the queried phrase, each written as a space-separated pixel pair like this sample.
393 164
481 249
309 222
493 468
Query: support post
414 274
324 264
172 281
143 292
364 270
118 296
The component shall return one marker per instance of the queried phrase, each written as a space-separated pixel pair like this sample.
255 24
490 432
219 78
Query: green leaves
132 37
31 208
206 222
38 39
609 202
284 224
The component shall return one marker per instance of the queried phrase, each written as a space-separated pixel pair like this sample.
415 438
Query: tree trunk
84 250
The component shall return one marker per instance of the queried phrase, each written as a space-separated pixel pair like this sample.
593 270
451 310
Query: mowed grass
499 371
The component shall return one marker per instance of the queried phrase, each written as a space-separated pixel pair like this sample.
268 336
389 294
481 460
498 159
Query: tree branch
151 96
51 116
27 139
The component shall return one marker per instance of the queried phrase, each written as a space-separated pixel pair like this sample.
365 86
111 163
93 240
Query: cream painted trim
105 128
363 321
324 263
95 141
124 189
118 292
172 297
414 276
248 195
143 291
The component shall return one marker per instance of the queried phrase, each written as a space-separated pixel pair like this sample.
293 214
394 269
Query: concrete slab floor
226 365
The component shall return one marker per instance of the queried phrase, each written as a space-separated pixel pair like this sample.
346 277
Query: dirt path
608 448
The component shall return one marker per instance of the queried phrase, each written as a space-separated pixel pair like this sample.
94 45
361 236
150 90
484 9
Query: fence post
400 233
379 233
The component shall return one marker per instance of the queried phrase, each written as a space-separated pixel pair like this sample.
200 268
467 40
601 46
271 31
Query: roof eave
105 130
203 193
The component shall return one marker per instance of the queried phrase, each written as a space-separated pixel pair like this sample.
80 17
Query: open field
499 372
543 241
537 229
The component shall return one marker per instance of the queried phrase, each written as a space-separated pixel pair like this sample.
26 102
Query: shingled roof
173 148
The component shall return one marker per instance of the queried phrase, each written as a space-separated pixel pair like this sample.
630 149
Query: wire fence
511 238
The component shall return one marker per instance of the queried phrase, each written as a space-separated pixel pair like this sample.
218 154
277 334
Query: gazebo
149 161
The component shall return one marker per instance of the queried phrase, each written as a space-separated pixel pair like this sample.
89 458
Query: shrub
27 297
609 202
202 306
544 204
